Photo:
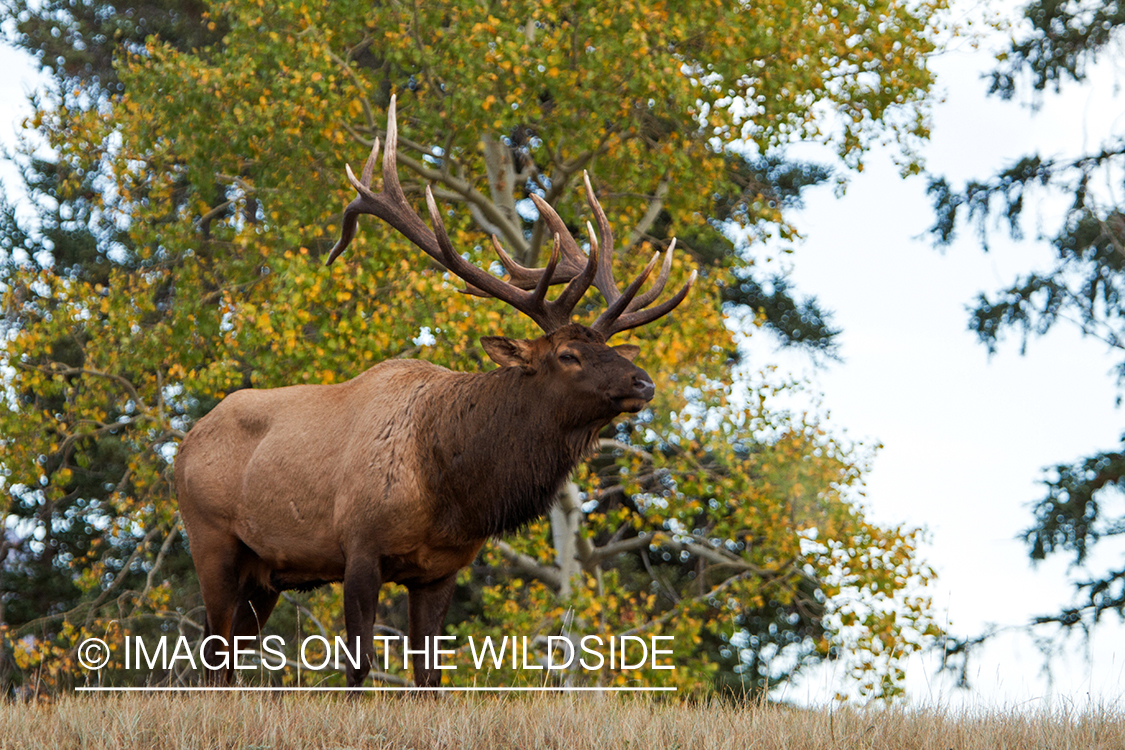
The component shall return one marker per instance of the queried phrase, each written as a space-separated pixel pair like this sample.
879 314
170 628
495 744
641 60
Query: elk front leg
362 579
428 605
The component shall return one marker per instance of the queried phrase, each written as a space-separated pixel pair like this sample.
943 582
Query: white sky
965 437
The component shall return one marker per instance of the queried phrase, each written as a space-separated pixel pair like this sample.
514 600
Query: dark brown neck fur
502 454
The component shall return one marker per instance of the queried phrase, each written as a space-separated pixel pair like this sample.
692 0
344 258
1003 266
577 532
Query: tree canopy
194 185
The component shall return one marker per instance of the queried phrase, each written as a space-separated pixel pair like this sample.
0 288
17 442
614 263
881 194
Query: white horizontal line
375 689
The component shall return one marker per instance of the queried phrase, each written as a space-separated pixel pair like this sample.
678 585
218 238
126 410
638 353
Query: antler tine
618 306
635 319
540 293
557 227
510 265
657 287
579 284
351 213
572 263
625 309
549 315
573 266
520 276
368 166
389 204
593 236
452 260
604 281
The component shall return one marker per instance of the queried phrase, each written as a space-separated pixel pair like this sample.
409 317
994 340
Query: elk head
574 367
574 354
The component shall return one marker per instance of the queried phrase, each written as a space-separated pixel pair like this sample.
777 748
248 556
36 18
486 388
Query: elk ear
628 351
507 352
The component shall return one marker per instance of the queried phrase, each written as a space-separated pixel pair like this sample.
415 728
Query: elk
403 472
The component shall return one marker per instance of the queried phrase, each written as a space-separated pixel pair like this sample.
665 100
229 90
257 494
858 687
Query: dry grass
572 722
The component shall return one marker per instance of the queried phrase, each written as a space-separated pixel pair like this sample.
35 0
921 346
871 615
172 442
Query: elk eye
568 358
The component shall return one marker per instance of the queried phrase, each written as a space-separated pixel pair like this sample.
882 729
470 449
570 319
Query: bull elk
403 472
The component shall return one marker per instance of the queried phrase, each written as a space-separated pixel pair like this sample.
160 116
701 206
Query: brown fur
399 474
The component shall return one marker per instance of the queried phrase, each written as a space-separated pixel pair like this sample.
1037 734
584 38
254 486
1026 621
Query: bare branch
697 547
529 565
714 555
120 578
675 611
171 537
475 211
59 368
609 444
305 610
625 545
206 219
668 590
103 427
655 206
501 177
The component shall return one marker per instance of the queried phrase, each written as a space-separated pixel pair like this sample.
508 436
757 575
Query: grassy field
254 720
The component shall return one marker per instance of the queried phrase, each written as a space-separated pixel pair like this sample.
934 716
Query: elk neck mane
498 450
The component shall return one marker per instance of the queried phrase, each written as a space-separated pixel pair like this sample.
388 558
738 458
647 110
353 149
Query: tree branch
59 368
161 555
664 618
655 206
606 444
616 548
120 578
530 566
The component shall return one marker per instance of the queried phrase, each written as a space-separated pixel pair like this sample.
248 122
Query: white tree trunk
566 519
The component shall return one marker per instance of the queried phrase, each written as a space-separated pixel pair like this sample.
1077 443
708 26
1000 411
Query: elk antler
625 310
527 289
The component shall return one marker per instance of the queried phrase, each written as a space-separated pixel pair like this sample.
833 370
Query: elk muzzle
640 391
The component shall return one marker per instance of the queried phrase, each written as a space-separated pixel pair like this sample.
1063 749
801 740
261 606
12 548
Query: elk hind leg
254 607
255 604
